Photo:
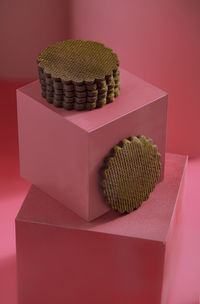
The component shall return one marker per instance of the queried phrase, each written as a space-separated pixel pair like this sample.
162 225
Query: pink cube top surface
138 93
151 221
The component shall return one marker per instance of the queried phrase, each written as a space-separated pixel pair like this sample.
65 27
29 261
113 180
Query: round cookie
57 85
57 103
130 173
80 106
77 68
68 105
68 87
80 94
49 99
92 93
80 100
43 94
80 88
49 81
69 94
101 102
91 87
90 105
58 97
50 88
91 99
68 99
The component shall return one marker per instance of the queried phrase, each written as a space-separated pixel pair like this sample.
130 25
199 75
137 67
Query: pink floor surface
186 280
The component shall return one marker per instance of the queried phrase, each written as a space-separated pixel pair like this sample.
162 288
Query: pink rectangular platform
113 259
62 151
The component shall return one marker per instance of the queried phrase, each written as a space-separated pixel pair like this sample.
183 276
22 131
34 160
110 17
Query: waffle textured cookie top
78 60
130 174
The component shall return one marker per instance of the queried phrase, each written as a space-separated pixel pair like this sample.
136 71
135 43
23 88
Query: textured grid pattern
78 74
130 174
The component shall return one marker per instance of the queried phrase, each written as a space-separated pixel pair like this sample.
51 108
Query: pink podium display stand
62 151
114 259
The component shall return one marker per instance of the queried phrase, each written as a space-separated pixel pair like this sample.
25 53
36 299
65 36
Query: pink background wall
26 27
156 40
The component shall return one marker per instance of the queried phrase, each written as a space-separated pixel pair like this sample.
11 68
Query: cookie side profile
79 74
130 173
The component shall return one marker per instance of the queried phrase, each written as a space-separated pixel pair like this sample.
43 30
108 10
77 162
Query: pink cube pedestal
112 260
61 151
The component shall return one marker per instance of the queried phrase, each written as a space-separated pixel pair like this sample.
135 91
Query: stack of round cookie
79 74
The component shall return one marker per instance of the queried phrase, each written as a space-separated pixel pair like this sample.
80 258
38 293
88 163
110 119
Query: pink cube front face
114 259
149 120
83 267
53 154
61 151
